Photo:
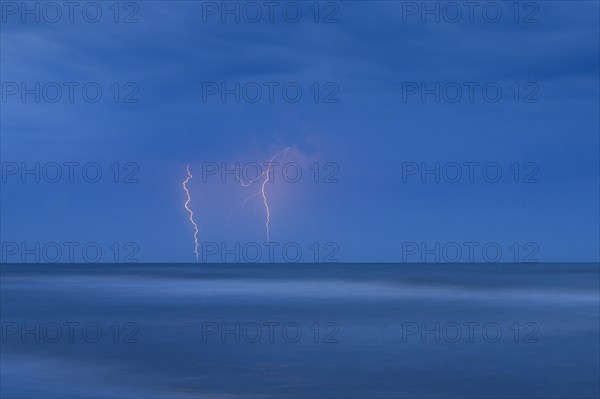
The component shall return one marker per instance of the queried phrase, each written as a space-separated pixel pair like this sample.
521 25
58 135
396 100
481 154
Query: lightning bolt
264 195
185 182
266 174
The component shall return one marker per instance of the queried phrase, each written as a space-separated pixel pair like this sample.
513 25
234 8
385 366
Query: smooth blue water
362 331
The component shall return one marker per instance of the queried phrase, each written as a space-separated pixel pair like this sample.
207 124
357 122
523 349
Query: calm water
227 331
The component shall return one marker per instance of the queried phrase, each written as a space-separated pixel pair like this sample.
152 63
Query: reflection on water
189 331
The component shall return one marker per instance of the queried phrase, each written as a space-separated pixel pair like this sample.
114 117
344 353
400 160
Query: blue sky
365 62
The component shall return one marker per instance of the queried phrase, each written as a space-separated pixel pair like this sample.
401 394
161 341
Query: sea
300 330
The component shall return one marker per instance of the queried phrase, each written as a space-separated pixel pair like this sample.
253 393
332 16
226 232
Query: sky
423 131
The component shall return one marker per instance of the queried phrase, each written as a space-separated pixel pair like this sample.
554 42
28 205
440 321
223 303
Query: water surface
296 331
